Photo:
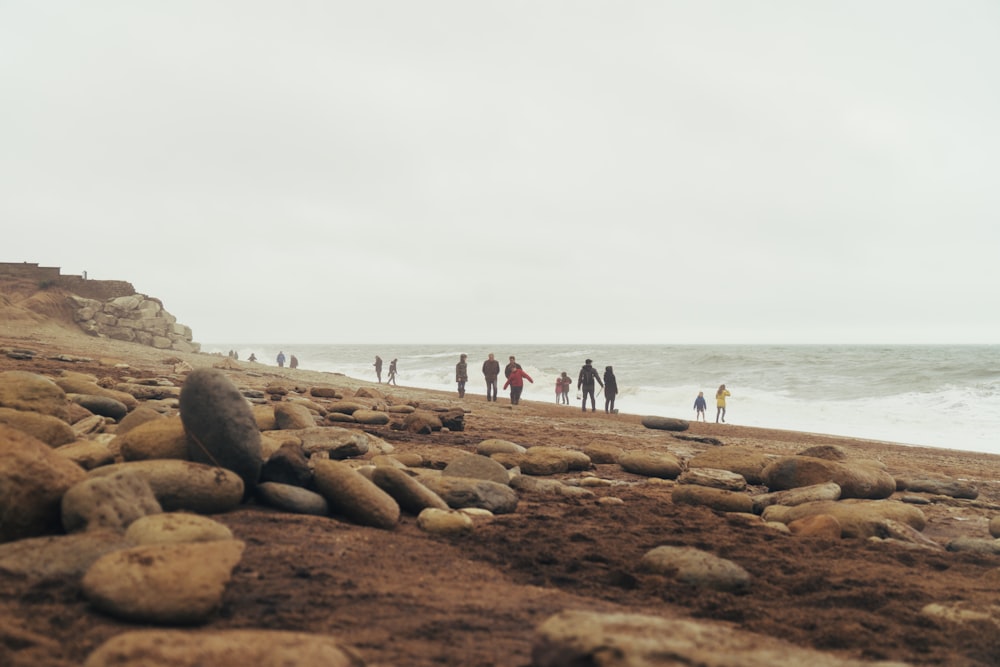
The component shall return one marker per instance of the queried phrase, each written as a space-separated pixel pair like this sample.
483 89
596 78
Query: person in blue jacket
700 406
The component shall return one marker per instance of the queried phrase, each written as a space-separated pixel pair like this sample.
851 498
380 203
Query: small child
699 406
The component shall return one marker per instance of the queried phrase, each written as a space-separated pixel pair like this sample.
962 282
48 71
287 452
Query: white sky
515 172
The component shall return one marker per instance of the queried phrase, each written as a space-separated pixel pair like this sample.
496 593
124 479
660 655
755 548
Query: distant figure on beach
281 359
559 389
516 381
462 374
588 375
491 370
567 382
392 373
610 389
253 357
293 362
378 368
511 365
699 406
720 403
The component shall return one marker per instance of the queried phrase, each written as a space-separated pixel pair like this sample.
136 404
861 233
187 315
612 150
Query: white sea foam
941 396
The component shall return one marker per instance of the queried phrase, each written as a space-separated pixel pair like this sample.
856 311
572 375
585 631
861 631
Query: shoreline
659 380
54 339
484 593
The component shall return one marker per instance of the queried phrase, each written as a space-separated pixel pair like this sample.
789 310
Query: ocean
934 395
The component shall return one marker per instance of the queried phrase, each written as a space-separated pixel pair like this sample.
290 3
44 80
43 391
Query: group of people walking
586 384
516 375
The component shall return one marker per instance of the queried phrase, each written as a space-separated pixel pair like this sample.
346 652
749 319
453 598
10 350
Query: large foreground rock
220 424
163 583
33 479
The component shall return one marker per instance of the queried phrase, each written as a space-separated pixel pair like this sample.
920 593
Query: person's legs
723 415
718 413
461 390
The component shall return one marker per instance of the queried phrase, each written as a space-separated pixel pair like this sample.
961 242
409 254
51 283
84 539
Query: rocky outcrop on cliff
137 319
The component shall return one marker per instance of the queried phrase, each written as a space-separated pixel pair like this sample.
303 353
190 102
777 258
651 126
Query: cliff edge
39 303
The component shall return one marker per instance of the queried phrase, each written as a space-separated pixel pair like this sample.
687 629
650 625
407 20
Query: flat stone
178 648
163 583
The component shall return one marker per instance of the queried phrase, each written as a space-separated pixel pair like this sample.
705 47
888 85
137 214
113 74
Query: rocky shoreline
206 510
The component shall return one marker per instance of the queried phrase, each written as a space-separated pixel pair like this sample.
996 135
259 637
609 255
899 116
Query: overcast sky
515 172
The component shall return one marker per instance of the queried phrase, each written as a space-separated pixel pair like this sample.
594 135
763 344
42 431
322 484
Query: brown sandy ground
405 597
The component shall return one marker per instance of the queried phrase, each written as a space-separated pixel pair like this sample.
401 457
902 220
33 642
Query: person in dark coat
491 370
462 374
511 365
378 368
610 389
588 376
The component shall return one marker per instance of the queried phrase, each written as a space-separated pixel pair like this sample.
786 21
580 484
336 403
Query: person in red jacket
516 382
